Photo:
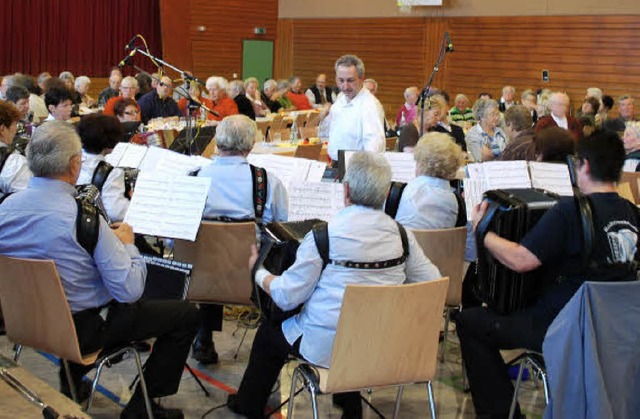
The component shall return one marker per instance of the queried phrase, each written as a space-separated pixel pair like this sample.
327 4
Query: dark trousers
482 334
269 353
173 323
210 319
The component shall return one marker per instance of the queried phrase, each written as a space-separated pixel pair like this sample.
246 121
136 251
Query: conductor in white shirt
355 122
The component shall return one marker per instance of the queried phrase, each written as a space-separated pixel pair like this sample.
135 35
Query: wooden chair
301 120
313 120
391 144
278 122
445 248
263 127
308 132
633 179
308 151
37 315
386 336
219 256
624 190
284 134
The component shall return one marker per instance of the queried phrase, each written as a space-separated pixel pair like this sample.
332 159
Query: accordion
511 214
279 244
130 178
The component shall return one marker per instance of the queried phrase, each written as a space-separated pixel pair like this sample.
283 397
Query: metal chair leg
244 335
72 385
16 356
143 384
314 402
396 408
94 384
432 402
514 400
545 383
294 380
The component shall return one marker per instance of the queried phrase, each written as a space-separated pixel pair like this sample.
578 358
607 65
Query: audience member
81 85
36 103
626 112
128 89
69 79
144 84
559 116
528 100
296 96
486 140
159 103
260 107
506 100
238 94
270 96
103 288
428 201
19 96
115 77
631 140
126 110
58 101
360 232
285 103
221 104
461 114
554 145
42 77
14 172
519 130
4 85
320 94
408 111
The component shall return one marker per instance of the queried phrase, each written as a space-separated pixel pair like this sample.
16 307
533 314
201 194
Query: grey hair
461 96
482 107
130 80
81 81
506 89
369 178
251 80
236 134
408 91
67 75
270 84
236 87
283 84
348 61
625 97
557 95
221 82
528 94
293 79
634 126
374 82
594 92
437 155
51 148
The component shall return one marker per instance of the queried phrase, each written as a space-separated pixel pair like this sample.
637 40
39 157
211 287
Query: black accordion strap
259 177
5 152
87 225
321 237
100 175
393 198
461 219
586 220
483 226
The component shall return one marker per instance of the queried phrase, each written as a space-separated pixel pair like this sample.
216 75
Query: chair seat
91 358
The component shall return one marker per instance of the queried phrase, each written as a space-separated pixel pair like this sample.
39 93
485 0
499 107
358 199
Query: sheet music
315 200
168 206
506 174
170 163
554 177
287 169
116 154
316 171
474 171
473 191
133 155
403 166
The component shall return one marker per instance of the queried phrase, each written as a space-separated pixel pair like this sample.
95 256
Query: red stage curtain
82 36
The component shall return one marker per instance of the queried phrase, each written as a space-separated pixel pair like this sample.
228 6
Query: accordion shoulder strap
100 174
259 177
5 152
461 219
87 225
321 237
393 198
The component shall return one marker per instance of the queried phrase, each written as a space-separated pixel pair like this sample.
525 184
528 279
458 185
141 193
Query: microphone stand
193 103
444 49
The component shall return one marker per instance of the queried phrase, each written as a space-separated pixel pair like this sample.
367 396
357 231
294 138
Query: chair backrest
391 144
313 120
278 122
633 178
310 151
219 256
624 190
445 248
308 132
36 312
210 150
263 127
301 120
387 335
284 134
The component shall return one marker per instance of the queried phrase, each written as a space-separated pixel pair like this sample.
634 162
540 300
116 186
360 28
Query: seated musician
102 288
231 195
555 244
360 232
99 135
14 172
428 201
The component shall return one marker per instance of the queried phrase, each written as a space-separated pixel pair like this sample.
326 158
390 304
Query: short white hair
236 134
270 84
51 148
594 92
236 87
130 80
506 89
555 96
408 91
81 81
369 178
220 82
67 75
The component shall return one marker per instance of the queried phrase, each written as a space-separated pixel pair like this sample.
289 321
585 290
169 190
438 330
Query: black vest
316 94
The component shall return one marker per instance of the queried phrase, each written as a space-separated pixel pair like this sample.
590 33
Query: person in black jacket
237 93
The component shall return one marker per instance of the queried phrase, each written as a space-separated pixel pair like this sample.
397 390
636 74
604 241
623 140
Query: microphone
130 43
126 59
448 43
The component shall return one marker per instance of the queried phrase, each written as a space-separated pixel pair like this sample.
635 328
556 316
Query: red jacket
575 127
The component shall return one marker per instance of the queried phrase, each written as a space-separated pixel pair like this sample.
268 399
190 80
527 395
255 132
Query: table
285 149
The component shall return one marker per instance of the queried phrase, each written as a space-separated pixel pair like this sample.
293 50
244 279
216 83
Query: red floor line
222 386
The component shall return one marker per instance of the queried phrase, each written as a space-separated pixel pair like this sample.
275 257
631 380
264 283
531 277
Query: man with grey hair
128 89
355 121
297 97
626 111
269 95
320 95
115 77
103 287
559 116
362 233
507 99
236 92
231 196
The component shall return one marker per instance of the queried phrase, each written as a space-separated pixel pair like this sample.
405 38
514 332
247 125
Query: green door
257 60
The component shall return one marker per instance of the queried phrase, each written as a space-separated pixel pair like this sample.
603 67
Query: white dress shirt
427 203
358 234
356 124
15 173
562 122
113 191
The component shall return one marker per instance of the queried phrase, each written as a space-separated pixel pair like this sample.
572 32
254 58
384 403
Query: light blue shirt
427 203
358 234
39 222
231 191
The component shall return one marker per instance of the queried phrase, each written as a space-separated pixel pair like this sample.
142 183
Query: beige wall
388 8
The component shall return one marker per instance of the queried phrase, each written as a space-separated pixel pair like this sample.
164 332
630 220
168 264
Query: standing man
320 94
158 103
355 120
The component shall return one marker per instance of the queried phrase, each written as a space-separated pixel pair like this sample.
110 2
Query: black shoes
205 353
234 406
136 410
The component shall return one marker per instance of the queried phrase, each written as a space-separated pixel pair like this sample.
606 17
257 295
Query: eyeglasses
132 113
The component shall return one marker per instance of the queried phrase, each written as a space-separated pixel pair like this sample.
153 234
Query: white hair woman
251 86
81 85
219 102
486 140
631 140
